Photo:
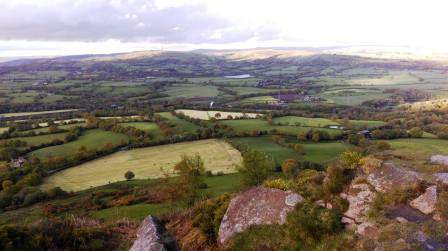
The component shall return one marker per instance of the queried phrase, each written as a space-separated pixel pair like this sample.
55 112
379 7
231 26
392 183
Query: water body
239 76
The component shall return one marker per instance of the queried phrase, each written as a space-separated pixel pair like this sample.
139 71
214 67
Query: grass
181 125
247 125
311 122
150 162
314 152
145 126
217 185
259 100
423 147
366 123
37 140
92 139
3 129
191 91
206 115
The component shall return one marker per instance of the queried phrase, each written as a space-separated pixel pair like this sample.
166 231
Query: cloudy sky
63 27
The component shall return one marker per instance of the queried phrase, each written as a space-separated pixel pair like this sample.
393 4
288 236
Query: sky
68 27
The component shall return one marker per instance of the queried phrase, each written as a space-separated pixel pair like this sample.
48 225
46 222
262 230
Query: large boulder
439 159
441 177
426 203
151 236
359 197
256 206
390 176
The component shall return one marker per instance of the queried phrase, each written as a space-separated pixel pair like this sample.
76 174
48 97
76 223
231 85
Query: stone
151 236
401 219
426 203
439 159
441 177
359 198
257 206
390 176
367 229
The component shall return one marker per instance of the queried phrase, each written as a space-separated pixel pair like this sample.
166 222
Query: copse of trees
256 167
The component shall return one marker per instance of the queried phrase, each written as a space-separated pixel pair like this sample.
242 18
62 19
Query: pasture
92 139
150 162
41 139
206 115
145 126
180 124
422 148
314 152
248 125
302 121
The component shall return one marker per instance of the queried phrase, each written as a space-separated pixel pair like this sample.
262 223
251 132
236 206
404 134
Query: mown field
248 125
91 139
301 121
150 162
314 152
41 139
206 115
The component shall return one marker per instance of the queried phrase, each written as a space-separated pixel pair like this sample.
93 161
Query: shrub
290 167
442 204
129 175
350 159
278 184
370 163
208 216
334 181
416 132
382 145
208 173
309 223
256 167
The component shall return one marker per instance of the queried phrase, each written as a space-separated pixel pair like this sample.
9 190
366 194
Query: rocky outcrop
151 236
441 177
390 176
359 197
439 159
256 206
426 203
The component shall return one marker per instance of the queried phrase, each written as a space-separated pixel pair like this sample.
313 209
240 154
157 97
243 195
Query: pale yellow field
206 115
218 155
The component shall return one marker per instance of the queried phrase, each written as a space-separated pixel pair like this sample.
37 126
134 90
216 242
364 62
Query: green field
423 148
3 129
37 140
191 91
247 125
145 126
259 100
145 163
301 121
92 139
181 125
314 152
366 123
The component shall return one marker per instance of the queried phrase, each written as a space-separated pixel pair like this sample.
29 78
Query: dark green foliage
256 167
208 216
129 175
309 223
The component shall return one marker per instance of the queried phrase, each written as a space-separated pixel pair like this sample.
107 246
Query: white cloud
226 23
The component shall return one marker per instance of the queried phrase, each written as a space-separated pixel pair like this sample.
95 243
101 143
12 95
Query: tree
217 115
53 128
350 159
129 175
416 132
256 167
315 136
191 175
299 149
290 167
301 136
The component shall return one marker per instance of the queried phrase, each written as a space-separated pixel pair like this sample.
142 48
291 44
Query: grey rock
426 203
257 206
439 159
151 236
390 176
